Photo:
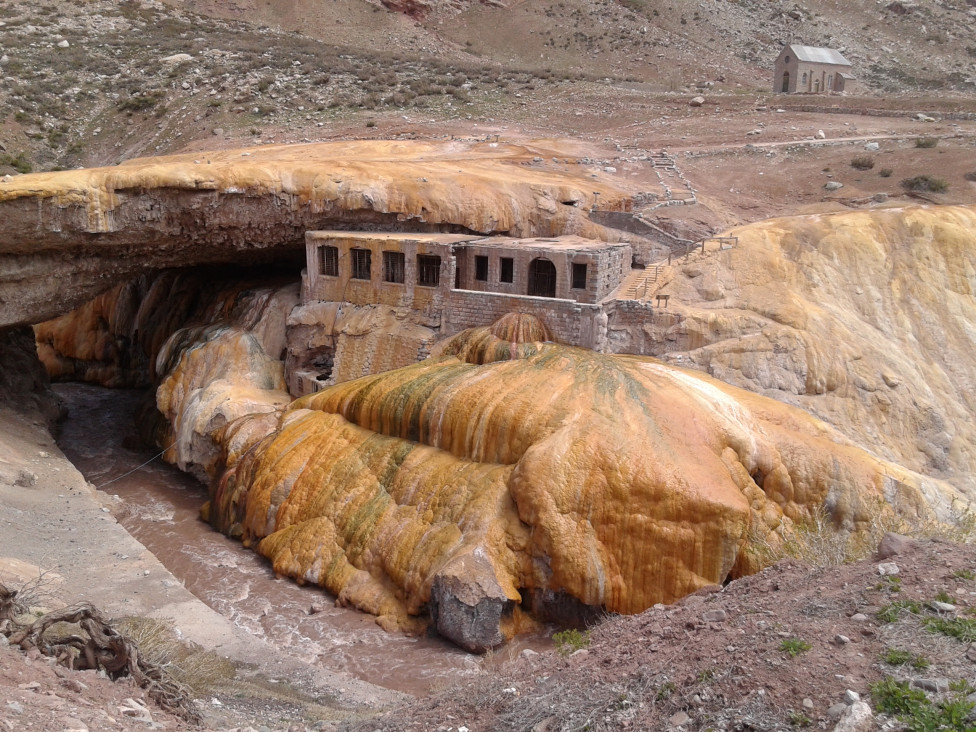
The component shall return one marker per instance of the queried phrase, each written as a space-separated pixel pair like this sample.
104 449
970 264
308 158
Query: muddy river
159 507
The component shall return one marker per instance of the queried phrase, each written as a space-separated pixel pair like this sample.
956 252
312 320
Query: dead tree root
98 647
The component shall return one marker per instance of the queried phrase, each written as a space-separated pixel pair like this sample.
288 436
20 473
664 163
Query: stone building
811 70
431 272
383 299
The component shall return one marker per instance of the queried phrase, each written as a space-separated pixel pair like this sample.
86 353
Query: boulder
697 101
833 185
892 545
857 718
468 605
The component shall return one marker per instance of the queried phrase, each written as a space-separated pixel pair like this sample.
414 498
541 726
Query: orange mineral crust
538 469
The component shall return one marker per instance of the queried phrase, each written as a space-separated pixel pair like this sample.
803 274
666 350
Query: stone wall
573 323
606 265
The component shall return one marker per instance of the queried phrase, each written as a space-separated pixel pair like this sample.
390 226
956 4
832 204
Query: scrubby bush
925 184
971 176
862 162
926 142
571 640
885 172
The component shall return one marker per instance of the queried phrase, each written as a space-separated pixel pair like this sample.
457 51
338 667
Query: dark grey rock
467 603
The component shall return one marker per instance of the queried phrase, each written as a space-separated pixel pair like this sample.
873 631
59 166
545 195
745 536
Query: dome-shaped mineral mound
460 488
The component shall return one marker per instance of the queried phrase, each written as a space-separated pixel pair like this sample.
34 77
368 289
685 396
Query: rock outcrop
71 235
864 319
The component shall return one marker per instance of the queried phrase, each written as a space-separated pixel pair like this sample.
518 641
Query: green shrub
896 657
20 163
925 184
571 640
793 647
862 162
139 102
913 708
926 142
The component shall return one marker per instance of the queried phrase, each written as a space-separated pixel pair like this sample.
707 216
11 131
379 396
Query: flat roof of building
393 236
569 242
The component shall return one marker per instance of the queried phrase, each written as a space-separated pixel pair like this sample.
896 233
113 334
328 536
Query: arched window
542 278
786 82
786 60
804 79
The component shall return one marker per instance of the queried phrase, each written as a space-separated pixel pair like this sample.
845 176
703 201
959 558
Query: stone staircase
641 283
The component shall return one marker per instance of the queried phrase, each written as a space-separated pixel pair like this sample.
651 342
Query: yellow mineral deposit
617 480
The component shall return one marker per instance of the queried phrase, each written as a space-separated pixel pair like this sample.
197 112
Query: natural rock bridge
70 235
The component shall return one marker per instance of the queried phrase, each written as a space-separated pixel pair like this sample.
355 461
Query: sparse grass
862 162
665 691
793 647
891 612
925 184
889 583
963 629
926 142
966 574
571 640
898 657
705 676
944 596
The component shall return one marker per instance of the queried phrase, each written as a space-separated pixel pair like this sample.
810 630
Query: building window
361 263
428 270
542 278
481 269
787 59
804 81
329 261
507 273
579 276
393 267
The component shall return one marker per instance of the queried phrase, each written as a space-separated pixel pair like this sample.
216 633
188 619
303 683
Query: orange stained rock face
618 480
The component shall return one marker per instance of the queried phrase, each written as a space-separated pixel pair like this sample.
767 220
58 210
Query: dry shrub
188 664
819 542
862 162
925 184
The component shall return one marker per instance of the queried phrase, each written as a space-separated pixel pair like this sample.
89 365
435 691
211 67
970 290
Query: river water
160 508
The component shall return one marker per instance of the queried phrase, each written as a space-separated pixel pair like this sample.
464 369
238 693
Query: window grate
361 261
393 266
428 270
329 261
